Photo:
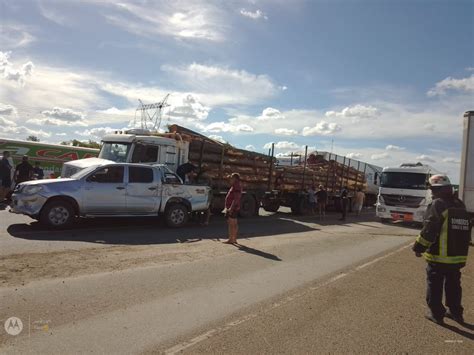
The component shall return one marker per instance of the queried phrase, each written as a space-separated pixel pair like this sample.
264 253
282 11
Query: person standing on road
232 207
322 198
359 201
344 199
185 172
23 171
444 242
312 199
38 172
5 176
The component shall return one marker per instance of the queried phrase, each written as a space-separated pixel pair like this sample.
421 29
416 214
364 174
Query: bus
50 156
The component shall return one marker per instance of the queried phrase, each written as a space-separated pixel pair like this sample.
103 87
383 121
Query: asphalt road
133 286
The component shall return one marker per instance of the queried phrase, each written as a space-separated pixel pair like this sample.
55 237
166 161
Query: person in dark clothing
23 171
37 171
232 207
344 203
444 242
185 170
322 198
5 176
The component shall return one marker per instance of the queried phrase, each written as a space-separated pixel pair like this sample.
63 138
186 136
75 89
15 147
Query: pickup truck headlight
31 190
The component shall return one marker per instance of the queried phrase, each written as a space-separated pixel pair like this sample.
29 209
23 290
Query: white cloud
219 85
9 128
6 109
355 112
271 113
452 160
285 132
226 127
14 35
283 145
5 122
254 15
187 107
64 114
425 158
10 72
217 138
354 155
451 84
96 133
250 147
380 156
191 20
322 128
394 147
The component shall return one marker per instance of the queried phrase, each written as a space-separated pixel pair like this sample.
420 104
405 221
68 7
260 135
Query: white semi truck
466 182
404 193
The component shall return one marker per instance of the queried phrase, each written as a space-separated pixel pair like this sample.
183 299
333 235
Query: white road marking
187 344
382 257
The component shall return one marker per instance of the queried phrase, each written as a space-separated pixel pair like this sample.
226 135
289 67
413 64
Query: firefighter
444 243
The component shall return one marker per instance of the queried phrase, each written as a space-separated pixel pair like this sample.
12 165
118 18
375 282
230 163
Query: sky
385 82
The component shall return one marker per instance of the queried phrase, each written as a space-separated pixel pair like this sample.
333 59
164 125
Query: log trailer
266 183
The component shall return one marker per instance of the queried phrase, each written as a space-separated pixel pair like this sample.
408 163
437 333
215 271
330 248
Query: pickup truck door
104 191
143 190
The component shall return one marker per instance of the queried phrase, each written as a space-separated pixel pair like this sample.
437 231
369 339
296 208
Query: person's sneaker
457 318
439 321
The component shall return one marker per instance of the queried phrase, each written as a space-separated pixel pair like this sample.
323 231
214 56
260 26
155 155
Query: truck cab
135 146
403 193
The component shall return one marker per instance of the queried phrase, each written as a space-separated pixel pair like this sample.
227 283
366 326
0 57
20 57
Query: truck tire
248 206
176 215
57 214
271 206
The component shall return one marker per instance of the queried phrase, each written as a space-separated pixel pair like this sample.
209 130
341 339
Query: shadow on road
257 252
459 331
150 230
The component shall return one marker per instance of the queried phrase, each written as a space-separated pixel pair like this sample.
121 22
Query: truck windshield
404 180
117 152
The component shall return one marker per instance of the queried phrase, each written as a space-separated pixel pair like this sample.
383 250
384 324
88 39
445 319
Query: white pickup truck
111 190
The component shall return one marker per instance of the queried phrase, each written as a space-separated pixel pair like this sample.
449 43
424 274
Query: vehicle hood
47 182
85 163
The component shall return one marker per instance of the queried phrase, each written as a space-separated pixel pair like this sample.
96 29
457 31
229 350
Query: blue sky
383 81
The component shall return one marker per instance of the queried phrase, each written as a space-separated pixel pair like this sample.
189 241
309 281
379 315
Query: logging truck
266 183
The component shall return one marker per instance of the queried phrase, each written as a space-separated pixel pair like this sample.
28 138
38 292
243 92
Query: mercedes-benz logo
402 198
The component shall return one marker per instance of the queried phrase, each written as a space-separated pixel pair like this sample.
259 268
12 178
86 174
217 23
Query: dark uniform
344 203
444 242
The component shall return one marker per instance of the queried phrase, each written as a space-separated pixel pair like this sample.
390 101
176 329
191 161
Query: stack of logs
331 174
217 161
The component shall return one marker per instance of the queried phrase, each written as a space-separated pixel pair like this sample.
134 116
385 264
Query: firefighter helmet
439 181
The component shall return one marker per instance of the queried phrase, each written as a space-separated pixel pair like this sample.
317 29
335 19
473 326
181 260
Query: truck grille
403 201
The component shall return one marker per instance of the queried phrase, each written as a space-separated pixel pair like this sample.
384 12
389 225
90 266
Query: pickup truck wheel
248 206
57 214
176 215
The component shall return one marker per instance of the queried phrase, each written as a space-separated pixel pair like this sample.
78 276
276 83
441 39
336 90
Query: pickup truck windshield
117 152
414 181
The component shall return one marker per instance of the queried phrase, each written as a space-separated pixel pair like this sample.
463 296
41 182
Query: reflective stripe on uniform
443 236
423 241
445 259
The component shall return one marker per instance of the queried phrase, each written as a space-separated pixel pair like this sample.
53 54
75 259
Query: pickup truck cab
111 190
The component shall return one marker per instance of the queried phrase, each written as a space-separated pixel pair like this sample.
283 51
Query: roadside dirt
19 269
